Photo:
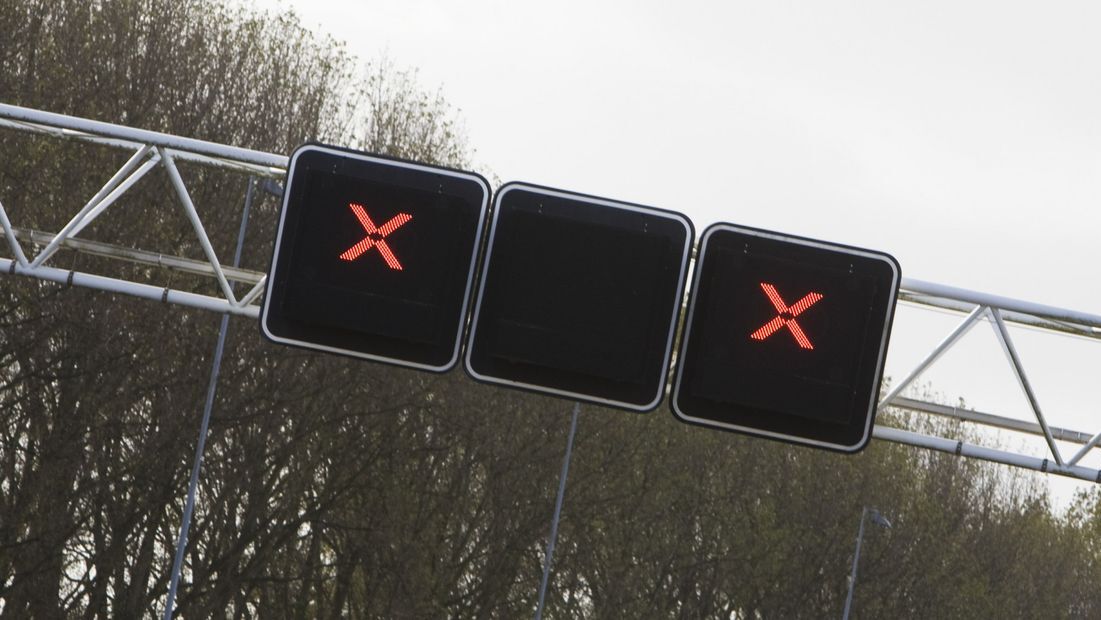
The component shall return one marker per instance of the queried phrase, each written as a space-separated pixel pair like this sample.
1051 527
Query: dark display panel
786 337
375 258
580 296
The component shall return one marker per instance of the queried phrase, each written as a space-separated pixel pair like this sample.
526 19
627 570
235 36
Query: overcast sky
963 137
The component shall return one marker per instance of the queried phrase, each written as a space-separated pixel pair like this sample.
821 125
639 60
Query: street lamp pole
879 520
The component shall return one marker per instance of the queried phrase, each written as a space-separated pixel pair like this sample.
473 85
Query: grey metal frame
997 310
152 149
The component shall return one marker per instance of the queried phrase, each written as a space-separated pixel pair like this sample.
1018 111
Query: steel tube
1091 444
197 224
557 512
990 419
134 289
856 562
269 172
952 305
141 135
1019 371
9 234
104 191
113 196
141 257
1004 303
960 448
956 334
254 293
204 427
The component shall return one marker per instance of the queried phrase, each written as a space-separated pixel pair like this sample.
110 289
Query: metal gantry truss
152 149
149 149
998 310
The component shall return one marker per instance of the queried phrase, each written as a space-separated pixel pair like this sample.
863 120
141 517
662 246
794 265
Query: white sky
963 137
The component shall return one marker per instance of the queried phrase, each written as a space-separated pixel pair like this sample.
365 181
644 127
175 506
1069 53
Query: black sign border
388 161
896 269
674 318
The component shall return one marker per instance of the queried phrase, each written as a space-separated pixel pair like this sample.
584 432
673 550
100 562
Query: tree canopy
335 488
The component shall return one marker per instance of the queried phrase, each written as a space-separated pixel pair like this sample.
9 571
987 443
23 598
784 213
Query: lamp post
879 520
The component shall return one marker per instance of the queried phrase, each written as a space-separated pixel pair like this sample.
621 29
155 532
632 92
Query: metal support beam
962 448
1018 369
60 122
134 289
1003 303
139 257
204 426
123 179
947 343
991 420
12 238
200 232
553 538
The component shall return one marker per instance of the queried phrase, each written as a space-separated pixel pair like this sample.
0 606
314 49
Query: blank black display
580 297
414 314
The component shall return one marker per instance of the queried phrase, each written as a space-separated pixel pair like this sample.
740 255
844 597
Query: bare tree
334 488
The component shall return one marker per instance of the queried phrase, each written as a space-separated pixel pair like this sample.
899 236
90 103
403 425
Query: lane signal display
785 337
579 297
374 257
376 237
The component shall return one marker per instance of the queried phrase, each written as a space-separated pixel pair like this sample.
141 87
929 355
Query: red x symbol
786 316
375 236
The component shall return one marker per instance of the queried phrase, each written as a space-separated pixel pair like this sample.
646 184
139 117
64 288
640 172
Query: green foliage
333 488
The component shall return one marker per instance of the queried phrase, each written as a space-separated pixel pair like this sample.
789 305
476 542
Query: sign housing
374 257
785 337
579 297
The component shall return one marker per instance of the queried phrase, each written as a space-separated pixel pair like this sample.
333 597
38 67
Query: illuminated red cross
786 316
375 236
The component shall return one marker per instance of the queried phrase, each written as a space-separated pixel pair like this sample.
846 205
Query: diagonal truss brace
997 310
200 232
1002 333
1015 361
151 149
125 178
